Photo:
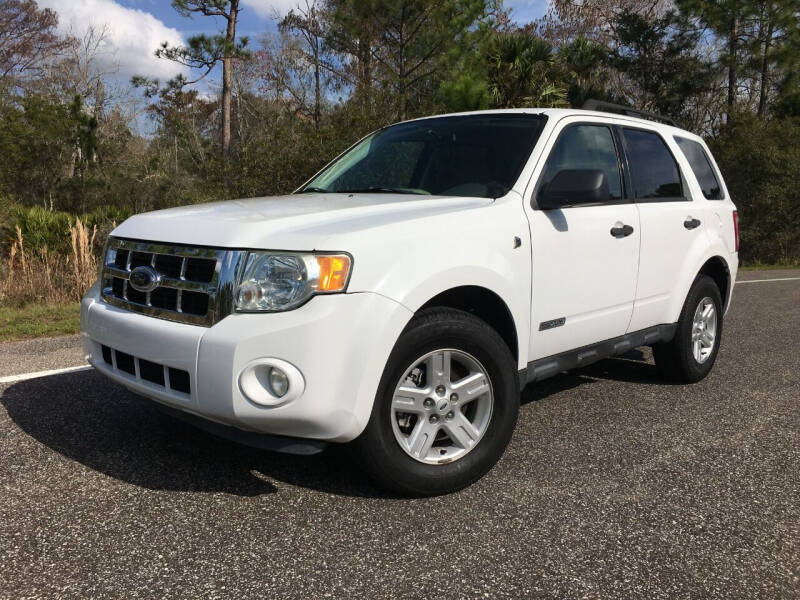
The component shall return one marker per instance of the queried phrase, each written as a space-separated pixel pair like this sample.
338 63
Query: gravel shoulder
41 354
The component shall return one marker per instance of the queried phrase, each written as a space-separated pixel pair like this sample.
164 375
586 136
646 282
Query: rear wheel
446 406
691 354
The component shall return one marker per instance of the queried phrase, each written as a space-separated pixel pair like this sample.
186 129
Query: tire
473 349
677 360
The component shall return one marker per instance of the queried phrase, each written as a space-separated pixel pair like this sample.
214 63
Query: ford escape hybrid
401 298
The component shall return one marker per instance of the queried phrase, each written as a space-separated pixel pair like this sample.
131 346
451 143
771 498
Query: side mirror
572 187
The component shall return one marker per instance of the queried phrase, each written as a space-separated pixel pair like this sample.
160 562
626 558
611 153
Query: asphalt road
616 485
43 354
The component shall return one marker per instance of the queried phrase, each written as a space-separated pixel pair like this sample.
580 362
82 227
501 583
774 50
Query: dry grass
37 276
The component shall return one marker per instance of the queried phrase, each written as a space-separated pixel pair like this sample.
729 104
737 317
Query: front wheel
446 406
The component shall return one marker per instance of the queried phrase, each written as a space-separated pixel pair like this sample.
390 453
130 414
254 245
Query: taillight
736 228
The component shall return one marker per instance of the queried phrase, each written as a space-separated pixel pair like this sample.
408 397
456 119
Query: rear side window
701 167
654 171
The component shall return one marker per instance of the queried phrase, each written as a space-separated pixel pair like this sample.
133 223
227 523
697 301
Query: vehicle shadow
103 426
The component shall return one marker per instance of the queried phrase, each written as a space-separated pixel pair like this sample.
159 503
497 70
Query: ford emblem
144 279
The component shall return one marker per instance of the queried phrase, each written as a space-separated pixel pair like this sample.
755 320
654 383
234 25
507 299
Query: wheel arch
484 304
718 269
710 263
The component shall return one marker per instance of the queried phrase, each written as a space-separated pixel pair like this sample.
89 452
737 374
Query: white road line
765 280
25 376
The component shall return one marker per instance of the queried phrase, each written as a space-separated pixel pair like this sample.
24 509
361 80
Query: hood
297 222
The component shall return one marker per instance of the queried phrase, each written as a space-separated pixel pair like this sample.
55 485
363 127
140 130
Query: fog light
278 382
271 382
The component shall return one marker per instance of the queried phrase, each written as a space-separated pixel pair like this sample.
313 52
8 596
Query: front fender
419 260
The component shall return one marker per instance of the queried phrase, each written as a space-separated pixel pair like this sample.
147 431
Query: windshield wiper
314 190
382 190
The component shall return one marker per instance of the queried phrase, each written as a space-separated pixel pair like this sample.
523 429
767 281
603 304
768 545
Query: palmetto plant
522 72
583 65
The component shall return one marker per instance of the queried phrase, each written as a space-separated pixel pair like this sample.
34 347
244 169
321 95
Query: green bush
44 228
761 165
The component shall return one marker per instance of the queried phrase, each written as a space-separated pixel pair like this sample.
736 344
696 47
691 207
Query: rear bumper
339 343
733 271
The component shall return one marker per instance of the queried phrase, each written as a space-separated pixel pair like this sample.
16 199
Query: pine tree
205 52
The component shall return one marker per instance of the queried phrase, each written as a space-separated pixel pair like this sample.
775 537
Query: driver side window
585 147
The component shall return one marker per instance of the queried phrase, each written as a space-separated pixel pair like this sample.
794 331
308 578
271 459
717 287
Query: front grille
170 378
194 284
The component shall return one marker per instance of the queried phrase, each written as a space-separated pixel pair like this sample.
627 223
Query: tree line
274 109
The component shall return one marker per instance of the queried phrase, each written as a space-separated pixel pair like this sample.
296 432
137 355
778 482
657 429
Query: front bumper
340 344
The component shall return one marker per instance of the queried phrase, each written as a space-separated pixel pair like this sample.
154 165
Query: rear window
701 167
654 171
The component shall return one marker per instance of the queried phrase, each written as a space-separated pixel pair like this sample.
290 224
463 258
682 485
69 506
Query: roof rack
620 109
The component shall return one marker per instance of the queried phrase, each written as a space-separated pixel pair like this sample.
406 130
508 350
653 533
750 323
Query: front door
585 257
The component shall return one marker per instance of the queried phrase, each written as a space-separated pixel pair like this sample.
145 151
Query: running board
543 368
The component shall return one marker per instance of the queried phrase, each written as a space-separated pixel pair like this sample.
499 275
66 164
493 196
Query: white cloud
132 35
267 9
523 11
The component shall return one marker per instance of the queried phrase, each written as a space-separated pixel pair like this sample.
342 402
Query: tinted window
585 147
701 167
392 168
653 168
475 155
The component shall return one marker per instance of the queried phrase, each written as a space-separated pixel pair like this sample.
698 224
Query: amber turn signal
333 272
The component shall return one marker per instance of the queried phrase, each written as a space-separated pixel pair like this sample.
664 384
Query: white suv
403 296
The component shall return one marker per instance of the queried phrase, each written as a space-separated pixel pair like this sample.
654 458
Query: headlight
273 282
109 257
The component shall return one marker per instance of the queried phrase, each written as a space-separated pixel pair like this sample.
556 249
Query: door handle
621 231
691 223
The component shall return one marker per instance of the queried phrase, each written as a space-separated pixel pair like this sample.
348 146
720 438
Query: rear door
709 189
672 225
584 258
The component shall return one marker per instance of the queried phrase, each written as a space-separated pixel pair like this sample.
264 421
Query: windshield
474 155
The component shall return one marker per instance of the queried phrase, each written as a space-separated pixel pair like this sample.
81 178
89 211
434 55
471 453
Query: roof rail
620 109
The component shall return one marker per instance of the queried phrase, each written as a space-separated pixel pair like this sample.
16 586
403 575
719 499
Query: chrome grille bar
165 282
195 283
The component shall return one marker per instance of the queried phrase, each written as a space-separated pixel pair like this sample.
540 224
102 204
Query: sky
135 28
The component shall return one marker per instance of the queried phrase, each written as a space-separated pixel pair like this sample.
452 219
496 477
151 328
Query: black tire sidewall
703 287
380 452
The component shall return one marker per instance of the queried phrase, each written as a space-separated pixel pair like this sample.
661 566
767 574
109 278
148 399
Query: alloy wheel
442 406
704 330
